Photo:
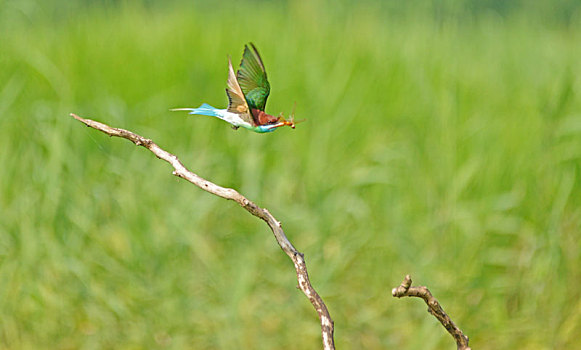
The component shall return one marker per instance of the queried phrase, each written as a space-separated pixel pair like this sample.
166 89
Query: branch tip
434 308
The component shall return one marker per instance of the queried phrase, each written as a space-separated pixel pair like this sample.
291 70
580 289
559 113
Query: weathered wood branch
405 289
298 259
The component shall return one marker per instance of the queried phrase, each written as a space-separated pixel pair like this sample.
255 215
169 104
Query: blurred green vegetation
443 140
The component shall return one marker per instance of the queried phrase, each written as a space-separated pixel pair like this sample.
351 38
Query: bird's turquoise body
247 93
232 118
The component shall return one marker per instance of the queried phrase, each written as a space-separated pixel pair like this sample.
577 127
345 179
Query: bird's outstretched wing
237 103
252 78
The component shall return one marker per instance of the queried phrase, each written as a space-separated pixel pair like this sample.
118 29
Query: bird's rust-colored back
261 118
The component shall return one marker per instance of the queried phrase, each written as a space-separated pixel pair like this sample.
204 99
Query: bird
247 93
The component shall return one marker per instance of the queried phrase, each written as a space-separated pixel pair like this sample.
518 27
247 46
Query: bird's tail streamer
204 109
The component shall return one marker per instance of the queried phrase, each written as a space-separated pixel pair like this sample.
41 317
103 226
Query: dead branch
405 289
327 327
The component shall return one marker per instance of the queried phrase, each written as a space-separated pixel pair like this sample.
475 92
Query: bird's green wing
252 78
237 103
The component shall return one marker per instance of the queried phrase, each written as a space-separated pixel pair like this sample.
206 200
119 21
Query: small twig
327 327
405 289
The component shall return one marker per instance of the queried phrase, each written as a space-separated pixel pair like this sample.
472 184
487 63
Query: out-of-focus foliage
443 140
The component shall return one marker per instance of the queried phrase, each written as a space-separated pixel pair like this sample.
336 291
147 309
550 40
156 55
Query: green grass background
443 140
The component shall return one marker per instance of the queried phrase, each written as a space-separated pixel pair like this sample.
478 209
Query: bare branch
327 326
405 289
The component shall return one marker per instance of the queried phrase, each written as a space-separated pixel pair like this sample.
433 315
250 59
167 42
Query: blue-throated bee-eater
247 92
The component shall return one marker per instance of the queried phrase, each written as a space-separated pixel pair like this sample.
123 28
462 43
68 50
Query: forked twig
405 289
327 327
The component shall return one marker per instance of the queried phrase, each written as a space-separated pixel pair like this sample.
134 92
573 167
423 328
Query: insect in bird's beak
291 121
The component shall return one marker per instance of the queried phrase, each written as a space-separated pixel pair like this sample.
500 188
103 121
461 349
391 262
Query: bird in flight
247 92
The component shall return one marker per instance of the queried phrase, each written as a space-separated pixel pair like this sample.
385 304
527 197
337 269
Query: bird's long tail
204 109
